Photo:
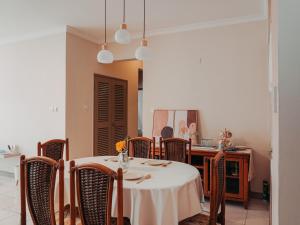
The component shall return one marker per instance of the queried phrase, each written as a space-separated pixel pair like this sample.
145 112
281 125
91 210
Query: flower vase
124 159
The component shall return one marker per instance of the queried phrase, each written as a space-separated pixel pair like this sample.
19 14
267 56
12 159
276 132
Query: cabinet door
102 118
119 111
234 178
110 114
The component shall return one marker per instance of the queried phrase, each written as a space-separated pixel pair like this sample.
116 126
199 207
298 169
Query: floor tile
14 220
6 214
257 214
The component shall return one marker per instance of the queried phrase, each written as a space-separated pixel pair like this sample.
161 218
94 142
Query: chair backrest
54 149
175 149
94 187
37 185
141 147
217 187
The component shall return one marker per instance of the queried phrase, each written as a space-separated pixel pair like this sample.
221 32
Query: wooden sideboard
237 169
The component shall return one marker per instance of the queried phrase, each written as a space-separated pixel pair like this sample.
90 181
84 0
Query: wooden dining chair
217 196
141 147
54 149
175 149
37 185
94 186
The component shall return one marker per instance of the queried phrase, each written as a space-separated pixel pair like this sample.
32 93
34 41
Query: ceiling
20 18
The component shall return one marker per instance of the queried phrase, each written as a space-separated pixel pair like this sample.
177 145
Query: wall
289 111
32 79
81 66
222 72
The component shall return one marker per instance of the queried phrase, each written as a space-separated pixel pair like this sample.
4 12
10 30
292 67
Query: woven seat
175 149
67 221
94 188
37 183
54 149
199 219
141 147
217 197
126 221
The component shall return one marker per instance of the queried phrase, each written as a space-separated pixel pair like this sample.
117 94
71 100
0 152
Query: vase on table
124 159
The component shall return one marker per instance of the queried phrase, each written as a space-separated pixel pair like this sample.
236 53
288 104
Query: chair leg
22 191
222 212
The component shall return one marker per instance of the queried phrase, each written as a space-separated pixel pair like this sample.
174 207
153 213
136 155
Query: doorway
110 113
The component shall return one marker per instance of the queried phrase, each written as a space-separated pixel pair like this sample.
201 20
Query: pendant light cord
105 22
144 31
124 11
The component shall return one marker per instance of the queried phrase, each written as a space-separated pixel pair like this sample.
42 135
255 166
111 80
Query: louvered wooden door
110 114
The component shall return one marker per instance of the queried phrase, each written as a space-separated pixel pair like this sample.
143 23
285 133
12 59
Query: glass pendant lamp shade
122 36
143 52
105 56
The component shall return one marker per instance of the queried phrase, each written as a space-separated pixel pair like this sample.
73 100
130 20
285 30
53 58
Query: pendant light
122 36
105 56
143 51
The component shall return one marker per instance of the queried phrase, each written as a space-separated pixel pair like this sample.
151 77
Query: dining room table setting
155 192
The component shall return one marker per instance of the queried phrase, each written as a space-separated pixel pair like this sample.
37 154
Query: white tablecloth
172 194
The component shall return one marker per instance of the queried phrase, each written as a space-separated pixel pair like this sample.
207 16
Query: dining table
172 192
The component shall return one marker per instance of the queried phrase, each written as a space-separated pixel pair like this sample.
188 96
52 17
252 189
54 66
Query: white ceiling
19 18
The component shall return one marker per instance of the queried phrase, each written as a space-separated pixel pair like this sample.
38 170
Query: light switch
53 108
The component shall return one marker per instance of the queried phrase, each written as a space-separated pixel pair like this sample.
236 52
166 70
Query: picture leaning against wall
176 123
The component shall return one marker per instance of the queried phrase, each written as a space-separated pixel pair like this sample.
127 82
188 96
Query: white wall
32 78
229 86
273 54
289 111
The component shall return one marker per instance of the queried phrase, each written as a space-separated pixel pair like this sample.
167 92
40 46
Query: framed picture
176 123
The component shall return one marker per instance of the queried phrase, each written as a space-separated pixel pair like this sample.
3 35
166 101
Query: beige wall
32 81
81 66
222 72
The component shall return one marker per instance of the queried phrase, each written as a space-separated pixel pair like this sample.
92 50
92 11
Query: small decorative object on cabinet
224 141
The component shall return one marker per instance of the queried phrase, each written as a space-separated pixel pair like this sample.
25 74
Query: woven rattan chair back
94 186
217 187
176 149
141 147
54 149
37 185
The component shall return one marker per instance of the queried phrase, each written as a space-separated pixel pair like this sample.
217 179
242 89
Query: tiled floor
257 214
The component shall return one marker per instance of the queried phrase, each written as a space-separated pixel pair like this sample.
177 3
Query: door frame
96 75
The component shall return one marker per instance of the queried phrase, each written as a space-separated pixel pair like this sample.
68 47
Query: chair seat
67 221
199 219
126 221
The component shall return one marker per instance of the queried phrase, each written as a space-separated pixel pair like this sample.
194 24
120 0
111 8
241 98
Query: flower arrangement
224 140
122 149
122 146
